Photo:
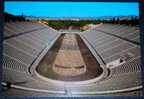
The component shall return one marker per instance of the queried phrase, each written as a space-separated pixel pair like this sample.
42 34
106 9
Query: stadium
39 60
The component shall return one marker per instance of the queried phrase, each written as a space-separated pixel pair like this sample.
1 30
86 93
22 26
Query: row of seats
109 47
28 83
110 85
130 66
16 28
119 82
19 52
128 32
114 51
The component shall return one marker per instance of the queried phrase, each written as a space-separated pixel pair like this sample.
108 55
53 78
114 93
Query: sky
71 9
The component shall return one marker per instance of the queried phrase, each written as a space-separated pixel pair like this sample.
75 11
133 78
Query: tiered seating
25 82
19 92
109 47
15 28
133 65
114 84
128 32
130 66
120 56
9 62
20 51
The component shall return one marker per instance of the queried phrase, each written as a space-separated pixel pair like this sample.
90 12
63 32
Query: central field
69 59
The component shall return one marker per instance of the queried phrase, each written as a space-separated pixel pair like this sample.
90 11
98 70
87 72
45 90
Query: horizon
71 9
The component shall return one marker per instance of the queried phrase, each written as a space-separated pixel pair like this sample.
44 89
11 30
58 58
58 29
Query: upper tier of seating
111 48
123 31
118 54
19 52
17 28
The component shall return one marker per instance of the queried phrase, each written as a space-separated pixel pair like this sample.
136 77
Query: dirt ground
93 68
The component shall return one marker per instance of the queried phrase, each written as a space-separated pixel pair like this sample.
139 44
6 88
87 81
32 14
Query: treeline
12 18
65 24
133 21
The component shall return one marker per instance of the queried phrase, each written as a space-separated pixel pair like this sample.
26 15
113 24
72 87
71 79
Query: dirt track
92 65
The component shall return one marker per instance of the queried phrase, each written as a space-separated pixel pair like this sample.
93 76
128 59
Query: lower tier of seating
118 84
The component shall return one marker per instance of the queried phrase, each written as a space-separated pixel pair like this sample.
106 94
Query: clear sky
71 9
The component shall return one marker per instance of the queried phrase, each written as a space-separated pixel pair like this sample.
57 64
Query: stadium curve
117 69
